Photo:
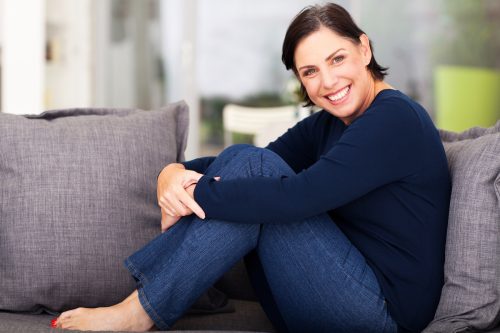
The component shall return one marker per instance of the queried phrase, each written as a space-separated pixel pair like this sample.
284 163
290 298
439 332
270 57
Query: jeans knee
247 150
264 162
234 150
243 160
225 157
273 165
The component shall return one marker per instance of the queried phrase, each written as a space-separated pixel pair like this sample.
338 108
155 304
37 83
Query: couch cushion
470 297
77 196
248 316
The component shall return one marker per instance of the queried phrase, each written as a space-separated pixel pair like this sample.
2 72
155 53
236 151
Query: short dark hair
311 19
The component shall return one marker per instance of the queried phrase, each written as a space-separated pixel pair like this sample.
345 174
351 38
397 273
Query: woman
344 216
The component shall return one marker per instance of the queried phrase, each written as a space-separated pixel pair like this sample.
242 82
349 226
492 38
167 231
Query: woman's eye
309 72
338 59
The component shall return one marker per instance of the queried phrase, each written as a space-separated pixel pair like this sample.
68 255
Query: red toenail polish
53 323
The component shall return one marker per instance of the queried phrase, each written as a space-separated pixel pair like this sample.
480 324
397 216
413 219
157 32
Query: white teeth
339 95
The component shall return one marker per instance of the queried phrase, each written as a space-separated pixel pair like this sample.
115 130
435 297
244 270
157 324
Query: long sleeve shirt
383 179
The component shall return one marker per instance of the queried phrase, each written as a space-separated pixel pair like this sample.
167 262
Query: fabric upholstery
470 298
248 316
77 196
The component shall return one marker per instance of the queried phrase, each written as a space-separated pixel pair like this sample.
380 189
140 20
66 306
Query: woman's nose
329 79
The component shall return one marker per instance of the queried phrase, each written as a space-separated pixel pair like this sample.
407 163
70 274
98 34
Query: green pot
466 97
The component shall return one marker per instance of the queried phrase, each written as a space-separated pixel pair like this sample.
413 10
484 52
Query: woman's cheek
312 90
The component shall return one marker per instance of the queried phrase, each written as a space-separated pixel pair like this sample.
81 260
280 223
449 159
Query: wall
69 67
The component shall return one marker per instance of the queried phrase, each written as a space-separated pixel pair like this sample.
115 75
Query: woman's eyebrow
326 59
333 54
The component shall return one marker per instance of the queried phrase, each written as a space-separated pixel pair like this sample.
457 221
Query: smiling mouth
340 95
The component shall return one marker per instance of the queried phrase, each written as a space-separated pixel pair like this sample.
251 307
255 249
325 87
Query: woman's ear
366 50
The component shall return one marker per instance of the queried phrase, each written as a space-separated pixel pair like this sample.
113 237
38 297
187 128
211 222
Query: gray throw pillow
77 196
470 298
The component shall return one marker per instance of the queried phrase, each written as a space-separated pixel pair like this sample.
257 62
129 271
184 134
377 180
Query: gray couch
77 196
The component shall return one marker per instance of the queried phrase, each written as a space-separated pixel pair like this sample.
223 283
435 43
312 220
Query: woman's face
334 73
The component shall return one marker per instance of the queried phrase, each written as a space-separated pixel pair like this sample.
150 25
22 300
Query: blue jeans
308 275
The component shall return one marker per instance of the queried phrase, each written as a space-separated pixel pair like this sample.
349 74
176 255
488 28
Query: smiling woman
341 220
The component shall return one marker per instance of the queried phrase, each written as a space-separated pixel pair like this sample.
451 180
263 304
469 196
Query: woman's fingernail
53 323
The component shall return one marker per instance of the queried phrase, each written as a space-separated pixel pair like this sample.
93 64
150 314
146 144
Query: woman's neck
381 85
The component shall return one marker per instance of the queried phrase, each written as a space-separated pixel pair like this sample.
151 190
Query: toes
65 319
66 314
64 323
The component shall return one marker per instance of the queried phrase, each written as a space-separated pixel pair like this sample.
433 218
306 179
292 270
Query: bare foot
128 315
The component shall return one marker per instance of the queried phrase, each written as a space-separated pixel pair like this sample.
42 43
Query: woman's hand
173 198
167 220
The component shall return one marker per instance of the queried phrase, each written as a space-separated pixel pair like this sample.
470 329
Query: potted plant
467 74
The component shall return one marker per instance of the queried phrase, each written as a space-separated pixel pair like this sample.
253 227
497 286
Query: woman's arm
379 148
290 146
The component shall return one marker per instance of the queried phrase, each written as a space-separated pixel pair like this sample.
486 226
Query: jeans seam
135 272
313 287
159 322
378 296
342 269
389 322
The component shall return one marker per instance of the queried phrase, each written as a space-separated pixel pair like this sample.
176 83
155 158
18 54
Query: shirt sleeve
378 148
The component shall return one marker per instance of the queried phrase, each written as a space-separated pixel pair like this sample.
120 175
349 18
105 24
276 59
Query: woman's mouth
339 96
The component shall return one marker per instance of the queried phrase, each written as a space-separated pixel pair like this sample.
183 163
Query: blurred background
144 54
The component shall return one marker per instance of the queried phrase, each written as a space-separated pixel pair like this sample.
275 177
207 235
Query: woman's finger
163 203
190 203
166 207
163 217
170 202
173 205
168 222
178 205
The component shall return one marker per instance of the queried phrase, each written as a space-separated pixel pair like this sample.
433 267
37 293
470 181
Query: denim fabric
308 275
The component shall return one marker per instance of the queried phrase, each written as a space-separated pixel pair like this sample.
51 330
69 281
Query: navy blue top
383 179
